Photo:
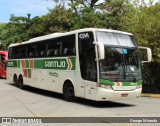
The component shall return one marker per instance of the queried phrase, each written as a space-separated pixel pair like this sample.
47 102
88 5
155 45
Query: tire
20 83
68 92
15 81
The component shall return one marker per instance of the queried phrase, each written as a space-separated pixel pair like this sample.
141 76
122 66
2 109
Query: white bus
91 63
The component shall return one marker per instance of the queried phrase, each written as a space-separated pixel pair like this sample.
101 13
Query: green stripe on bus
107 82
27 64
39 64
102 81
18 63
29 73
73 60
12 63
59 63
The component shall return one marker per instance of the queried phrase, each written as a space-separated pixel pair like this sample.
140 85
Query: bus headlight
106 86
139 86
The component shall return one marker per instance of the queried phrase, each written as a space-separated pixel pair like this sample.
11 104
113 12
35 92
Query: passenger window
62 46
40 50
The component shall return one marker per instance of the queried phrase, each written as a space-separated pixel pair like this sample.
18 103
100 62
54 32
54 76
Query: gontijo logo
55 64
65 64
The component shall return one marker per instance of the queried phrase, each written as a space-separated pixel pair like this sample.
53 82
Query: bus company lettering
55 64
83 35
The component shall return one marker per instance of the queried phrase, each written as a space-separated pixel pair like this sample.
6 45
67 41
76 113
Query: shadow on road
96 104
103 104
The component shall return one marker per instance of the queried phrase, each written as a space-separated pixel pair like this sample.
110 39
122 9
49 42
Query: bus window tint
40 49
63 46
68 45
53 48
21 51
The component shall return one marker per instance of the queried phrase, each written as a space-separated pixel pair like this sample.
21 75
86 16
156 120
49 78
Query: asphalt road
32 102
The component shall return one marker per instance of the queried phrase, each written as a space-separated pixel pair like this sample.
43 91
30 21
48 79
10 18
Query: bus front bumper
111 95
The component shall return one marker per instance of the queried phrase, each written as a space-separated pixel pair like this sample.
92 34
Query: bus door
88 72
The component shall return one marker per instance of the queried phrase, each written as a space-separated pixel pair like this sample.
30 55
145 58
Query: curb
151 95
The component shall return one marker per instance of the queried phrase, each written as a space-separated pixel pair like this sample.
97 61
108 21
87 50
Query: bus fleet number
10 64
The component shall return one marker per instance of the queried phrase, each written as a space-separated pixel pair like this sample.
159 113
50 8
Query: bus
3 60
91 63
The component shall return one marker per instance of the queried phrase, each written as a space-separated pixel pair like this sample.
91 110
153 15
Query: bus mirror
100 50
145 53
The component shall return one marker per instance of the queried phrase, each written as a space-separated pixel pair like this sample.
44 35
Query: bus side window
15 54
56 52
37 54
42 53
67 51
21 52
50 52
52 48
74 50
41 49
69 45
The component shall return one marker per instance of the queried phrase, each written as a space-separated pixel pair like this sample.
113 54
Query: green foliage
21 29
151 75
58 19
143 21
2 35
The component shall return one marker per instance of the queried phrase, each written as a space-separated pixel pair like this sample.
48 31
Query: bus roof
54 35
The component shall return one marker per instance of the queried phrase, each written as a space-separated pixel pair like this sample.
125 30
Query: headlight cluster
106 86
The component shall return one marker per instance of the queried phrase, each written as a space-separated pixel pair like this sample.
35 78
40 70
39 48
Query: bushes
151 77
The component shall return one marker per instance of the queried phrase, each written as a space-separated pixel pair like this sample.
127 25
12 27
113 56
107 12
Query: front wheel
68 92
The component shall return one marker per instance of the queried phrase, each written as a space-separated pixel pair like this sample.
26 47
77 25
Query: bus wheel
15 81
20 83
68 91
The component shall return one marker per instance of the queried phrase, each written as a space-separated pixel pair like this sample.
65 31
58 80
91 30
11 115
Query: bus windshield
121 61
120 64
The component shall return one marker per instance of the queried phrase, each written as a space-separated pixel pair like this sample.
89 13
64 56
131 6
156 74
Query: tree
21 28
2 35
58 19
143 21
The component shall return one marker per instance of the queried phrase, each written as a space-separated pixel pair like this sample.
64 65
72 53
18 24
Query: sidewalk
150 95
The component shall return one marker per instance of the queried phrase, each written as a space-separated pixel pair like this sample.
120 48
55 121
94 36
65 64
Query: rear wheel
20 83
68 91
15 81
